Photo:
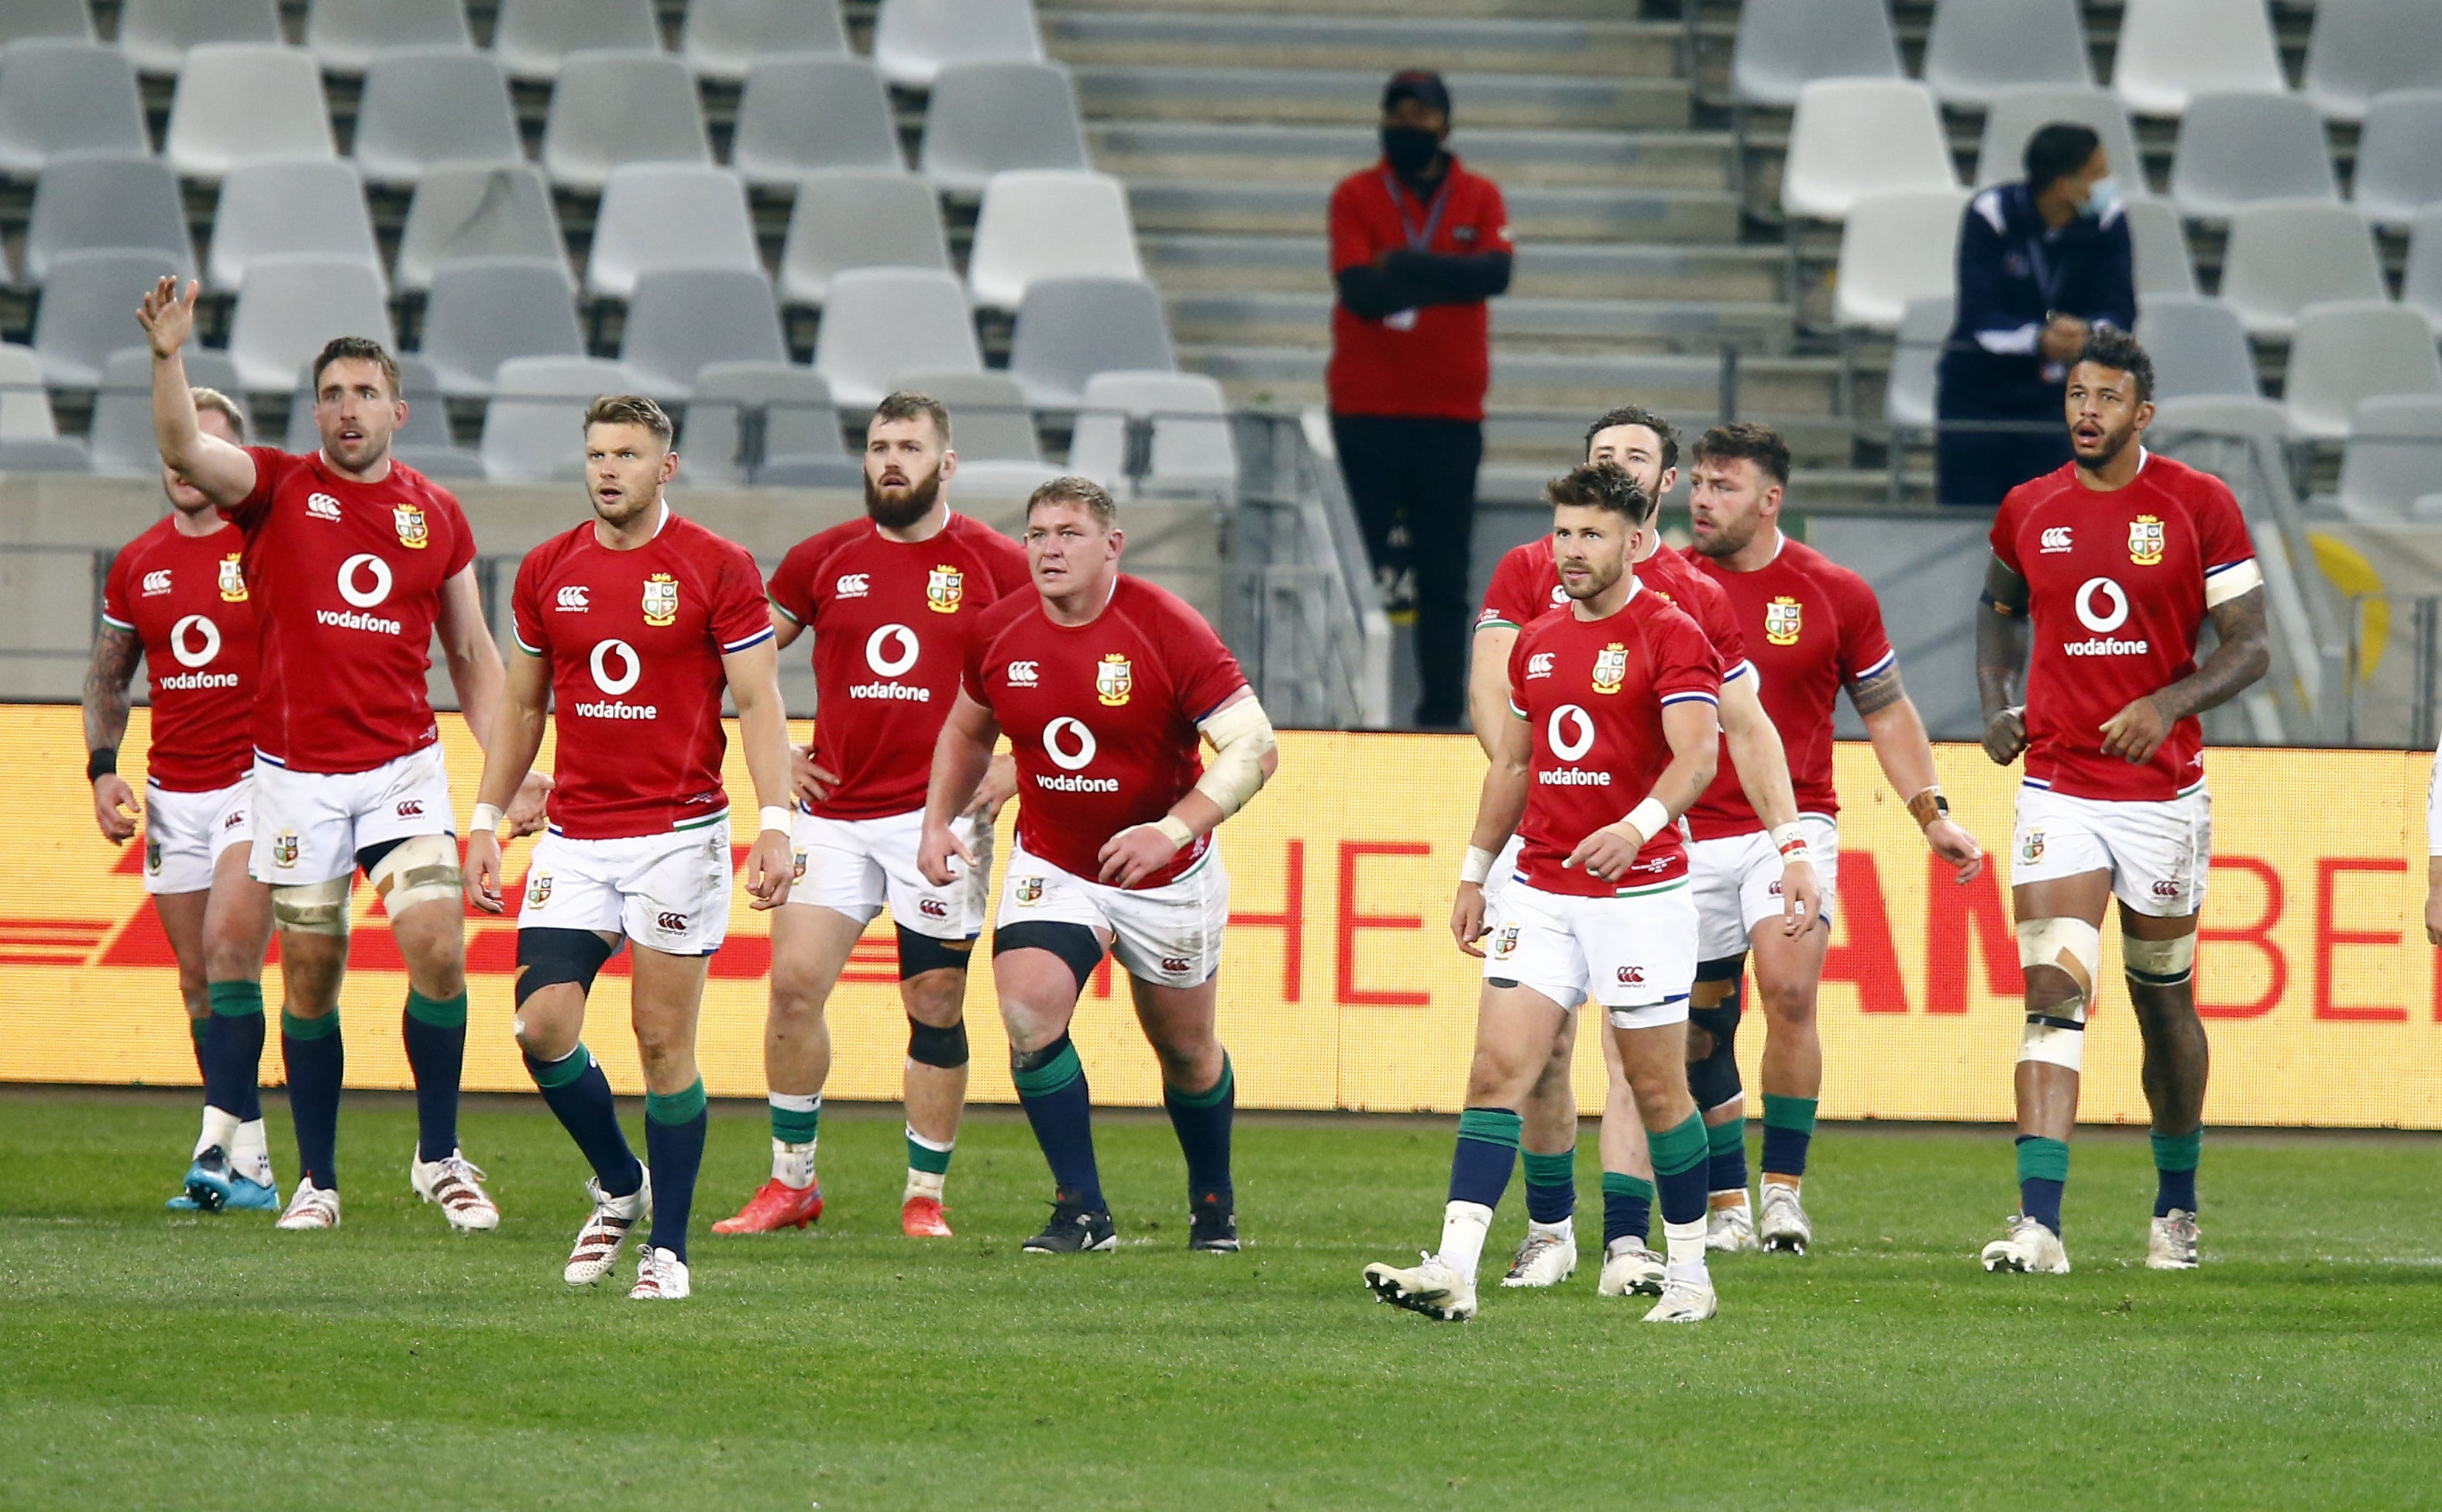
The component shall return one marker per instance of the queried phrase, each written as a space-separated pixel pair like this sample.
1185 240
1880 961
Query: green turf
148 1360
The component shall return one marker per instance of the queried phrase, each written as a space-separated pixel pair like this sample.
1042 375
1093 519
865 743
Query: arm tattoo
1869 696
2001 633
115 654
2243 653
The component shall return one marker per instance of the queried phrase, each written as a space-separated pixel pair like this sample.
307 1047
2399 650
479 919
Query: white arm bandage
2226 583
1241 737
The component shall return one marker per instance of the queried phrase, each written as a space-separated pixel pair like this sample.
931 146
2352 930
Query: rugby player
353 560
631 626
1526 585
1104 684
1814 628
176 596
890 599
1615 698
2110 565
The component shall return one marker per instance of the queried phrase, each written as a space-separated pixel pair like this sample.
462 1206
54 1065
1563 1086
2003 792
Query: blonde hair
1075 490
222 405
628 410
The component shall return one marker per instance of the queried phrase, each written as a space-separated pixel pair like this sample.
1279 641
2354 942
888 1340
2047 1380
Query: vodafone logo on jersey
156 582
1570 733
2102 606
891 651
364 582
196 642
1071 748
617 666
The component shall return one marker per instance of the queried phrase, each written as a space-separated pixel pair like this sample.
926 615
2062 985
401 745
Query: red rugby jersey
1527 586
185 598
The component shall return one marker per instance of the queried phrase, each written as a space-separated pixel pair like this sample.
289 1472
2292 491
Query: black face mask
1409 150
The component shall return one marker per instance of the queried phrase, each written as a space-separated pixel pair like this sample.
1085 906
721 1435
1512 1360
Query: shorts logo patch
232 819
284 848
801 865
2145 540
152 855
233 579
933 908
410 808
944 587
539 890
1631 976
2031 849
1173 965
1504 944
1611 668
1029 891
2166 889
1113 678
1782 619
661 599
671 924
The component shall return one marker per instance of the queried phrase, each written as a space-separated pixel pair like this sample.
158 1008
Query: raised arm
960 756
2000 655
2242 653
1694 731
116 651
509 748
1897 732
1244 755
221 472
754 675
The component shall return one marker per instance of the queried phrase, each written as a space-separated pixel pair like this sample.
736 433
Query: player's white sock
923 1153
797 1124
923 1184
1565 1230
219 1128
1464 1228
251 1157
1684 1245
793 1165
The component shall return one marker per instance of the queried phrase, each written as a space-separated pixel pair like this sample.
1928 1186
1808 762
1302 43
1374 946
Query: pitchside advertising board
1341 988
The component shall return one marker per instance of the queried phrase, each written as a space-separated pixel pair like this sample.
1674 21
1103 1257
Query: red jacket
1432 361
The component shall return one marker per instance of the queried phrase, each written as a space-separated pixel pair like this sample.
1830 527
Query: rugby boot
921 1217
776 1206
1212 1225
1684 1301
1545 1257
310 1206
1630 1269
1074 1229
2029 1248
1430 1288
661 1276
1730 1230
605 1232
455 1184
1783 1227
208 1179
2171 1244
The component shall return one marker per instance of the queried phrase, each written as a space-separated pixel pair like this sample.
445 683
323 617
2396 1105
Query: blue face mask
2100 197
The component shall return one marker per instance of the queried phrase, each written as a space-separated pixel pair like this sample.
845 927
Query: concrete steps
1572 385
1672 215
1184 262
1520 323
1322 155
1144 92
1375 44
1402 10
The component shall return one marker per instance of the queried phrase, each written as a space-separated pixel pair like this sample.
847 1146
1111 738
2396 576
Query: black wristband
100 760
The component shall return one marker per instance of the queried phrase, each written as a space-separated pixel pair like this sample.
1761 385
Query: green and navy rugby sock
674 1130
2174 1171
1060 1106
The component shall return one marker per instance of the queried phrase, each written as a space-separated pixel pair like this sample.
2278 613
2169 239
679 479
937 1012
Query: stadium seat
423 106
87 310
2172 50
1910 398
2400 155
726 38
1068 329
792 406
989 118
1899 244
990 428
611 108
477 209
2244 417
482 311
2015 115
2393 455
273 206
799 115
291 304
26 20
24 404
427 414
2198 346
680 319
913 39
847 218
534 427
58 454
2351 349
156 35
237 101
89 200
67 97
533 38
2284 255
348 36
2420 286
2237 149
879 323
1782 45
445 465
121 438
2160 243
1192 451
658 216
1856 137
2361 48
1048 223
1978 47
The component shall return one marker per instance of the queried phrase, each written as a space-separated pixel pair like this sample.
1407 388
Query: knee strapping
314 908
420 869
2158 962
919 954
547 958
944 1048
1074 944
2056 1035
1713 1078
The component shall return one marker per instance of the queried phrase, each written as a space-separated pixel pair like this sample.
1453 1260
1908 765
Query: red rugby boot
920 1218
775 1207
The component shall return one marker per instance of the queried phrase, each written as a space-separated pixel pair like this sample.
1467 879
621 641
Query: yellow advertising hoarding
1341 988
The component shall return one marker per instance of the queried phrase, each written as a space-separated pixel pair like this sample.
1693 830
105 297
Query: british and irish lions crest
943 587
661 599
1113 678
1782 618
1611 668
2145 540
414 531
233 579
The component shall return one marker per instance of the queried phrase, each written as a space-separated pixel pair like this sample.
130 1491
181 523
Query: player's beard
909 508
1596 584
2114 442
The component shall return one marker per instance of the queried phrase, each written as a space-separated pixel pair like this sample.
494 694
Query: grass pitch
149 1360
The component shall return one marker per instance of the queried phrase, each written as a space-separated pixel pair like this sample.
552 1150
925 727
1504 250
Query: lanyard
1419 239
2047 282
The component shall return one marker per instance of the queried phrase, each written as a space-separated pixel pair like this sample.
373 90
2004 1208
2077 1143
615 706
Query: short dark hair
356 349
2057 151
906 404
628 410
1075 490
2109 347
1748 439
1600 486
1633 415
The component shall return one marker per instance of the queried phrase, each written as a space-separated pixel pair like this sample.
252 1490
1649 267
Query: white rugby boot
2029 1248
1630 1269
1782 1227
1689 1301
605 1232
2171 1244
457 1184
310 1206
1730 1230
1546 1257
661 1276
1430 1288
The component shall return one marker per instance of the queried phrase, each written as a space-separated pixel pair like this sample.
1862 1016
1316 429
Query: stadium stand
477 209
2400 155
2015 114
2235 149
2392 457
482 311
984 119
82 316
351 36
157 35
2284 255
2361 48
2170 52
2199 346
29 19
1856 137
239 101
60 95
748 416
726 38
1977 48
801 115
421 107
1785 45
664 215
2345 351
879 323
680 319
612 108
1189 449
279 206
533 38
287 308
1048 223
1071 328
1899 244
89 201
531 427
858 217
1916 355
2420 284
914 40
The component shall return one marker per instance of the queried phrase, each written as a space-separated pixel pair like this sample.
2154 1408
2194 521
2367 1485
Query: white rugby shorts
308 826
186 832
1634 954
854 867
2158 852
1169 936
667 891
1737 880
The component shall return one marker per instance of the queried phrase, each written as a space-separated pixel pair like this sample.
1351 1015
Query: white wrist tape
1477 868
773 816
1790 840
1175 828
1649 817
1241 737
487 816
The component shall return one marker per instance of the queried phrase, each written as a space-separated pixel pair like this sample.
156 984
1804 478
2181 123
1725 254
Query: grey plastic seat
797 115
65 97
57 454
989 117
1976 47
2352 350
680 319
724 38
534 428
990 420
535 38
1855 136
2420 285
2244 417
26 19
88 310
2173 50
2237 149
1782 45
477 209
2400 154
157 35
847 218
661 215
1048 223
2016 113
1068 329
611 108
428 105
2361 48
350 36
121 438
2287 254
1909 400
2198 346
276 207
913 39
291 304
428 416
24 404
879 323
482 311
88 200
2159 242
1897 245
237 101
2393 455
1192 451
790 406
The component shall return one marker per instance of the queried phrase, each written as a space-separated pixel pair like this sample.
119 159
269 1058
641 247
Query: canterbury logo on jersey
321 506
571 598
157 583
1025 674
852 585
1539 665
2055 539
